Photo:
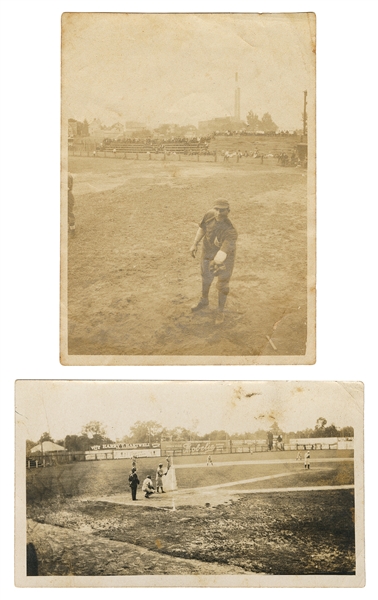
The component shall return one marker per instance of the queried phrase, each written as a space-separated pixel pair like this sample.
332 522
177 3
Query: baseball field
132 280
260 513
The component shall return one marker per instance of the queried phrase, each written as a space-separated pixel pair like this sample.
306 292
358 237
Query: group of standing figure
306 459
147 486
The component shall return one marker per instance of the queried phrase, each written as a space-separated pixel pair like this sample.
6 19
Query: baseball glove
215 268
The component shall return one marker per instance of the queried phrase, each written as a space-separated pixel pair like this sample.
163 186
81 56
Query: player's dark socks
222 298
205 291
201 304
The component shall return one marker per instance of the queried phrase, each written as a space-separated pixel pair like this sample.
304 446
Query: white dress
169 481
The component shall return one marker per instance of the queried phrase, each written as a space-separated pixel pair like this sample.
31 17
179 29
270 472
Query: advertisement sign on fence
195 447
133 453
138 453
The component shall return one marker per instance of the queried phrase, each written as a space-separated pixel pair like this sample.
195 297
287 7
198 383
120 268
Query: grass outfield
100 478
132 280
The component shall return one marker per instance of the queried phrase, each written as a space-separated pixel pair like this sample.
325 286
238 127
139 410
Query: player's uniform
307 460
147 487
159 479
219 235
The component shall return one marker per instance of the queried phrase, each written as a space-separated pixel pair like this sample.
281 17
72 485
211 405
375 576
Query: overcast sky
62 408
181 68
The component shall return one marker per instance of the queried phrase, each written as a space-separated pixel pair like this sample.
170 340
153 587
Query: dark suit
133 482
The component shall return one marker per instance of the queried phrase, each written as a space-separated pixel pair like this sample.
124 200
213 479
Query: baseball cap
221 203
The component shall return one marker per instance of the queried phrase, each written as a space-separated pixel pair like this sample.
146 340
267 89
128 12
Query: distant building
117 128
134 127
47 447
220 124
72 128
94 126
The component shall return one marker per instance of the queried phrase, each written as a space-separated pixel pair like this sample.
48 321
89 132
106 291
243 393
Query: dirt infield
132 281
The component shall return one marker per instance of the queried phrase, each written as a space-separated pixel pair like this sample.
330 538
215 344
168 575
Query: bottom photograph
189 483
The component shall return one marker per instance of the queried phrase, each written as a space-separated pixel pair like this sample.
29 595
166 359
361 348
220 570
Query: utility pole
237 99
305 112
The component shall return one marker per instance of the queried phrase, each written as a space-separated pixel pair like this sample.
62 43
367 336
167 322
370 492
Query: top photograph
188 189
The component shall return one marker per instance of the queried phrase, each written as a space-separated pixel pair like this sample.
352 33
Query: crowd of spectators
195 146
171 145
248 132
151 141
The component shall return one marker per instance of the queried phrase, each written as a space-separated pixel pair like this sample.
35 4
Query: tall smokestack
237 99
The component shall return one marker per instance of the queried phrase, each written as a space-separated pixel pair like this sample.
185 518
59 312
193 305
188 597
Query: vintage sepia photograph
188 189
189 483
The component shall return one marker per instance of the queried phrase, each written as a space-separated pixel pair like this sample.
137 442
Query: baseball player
147 487
218 254
307 460
159 478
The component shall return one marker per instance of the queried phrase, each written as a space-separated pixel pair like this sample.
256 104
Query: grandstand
155 146
217 145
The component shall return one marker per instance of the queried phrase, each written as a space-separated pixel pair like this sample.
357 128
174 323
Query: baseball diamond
241 515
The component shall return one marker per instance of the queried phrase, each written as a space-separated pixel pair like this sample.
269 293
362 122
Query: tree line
151 432
265 124
253 121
